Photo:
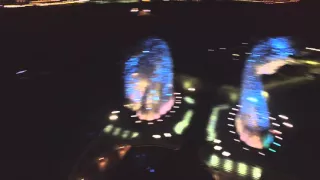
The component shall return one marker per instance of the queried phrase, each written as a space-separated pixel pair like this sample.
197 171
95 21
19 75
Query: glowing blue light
267 140
252 101
272 150
277 144
148 75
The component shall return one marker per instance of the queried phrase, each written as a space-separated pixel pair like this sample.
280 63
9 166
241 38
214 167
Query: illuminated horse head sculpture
252 121
149 80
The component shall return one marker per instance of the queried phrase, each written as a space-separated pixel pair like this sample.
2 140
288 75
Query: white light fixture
230 119
160 120
261 153
283 117
236 140
115 112
20 72
134 116
175 106
232 132
225 153
150 123
191 89
137 121
287 124
167 134
278 137
177 93
232 113
178 97
276 124
235 109
113 117
231 125
245 149
272 118
277 132
218 148
156 136
217 141
312 49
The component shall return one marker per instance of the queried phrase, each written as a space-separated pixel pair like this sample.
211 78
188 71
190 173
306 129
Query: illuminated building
149 80
252 121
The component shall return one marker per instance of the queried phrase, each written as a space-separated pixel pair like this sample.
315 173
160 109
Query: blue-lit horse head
149 80
252 121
